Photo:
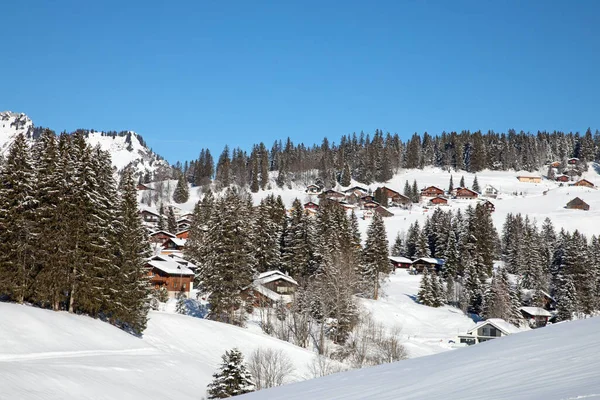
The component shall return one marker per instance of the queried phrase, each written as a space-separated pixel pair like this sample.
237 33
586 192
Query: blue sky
193 74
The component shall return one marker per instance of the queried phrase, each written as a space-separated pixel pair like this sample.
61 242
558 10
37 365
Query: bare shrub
322 366
269 367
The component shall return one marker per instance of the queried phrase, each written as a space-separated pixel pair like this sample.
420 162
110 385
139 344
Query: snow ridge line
75 354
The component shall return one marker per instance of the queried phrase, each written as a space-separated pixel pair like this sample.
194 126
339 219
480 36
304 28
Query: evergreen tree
475 185
346 176
254 179
161 225
426 295
462 181
268 237
171 221
398 246
181 194
566 295
407 190
233 377
375 255
450 185
17 216
180 307
415 192
422 246
299 244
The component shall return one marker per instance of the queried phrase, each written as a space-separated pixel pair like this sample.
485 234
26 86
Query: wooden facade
439 201
383 212
311 206
432 264
149 216
584 183
185 234
313 189
530 179
357 191
432 191
562 178
489 206
161 236
334 195
466 193
395 198
577 204
400 262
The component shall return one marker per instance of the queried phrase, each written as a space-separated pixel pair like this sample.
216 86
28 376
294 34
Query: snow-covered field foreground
50 355
557 362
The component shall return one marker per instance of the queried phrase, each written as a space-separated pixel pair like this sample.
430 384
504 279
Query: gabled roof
432 187
467 189
331 191
491 187
500 324
274 275
353 188
178 241
184 219
169 234
584 180
149 210
312 185
535 311
169 266
430 260
400 260
182 261
576 200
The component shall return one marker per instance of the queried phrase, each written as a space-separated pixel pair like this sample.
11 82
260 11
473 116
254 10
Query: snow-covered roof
169 266
401 260
150 210
536 311
505 327
271 276
178 242
430 260
169 234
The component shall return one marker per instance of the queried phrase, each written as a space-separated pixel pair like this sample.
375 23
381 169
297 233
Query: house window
183 286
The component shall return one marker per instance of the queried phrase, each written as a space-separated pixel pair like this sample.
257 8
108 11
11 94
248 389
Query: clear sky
192 74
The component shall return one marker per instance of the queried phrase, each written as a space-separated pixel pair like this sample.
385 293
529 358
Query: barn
577 204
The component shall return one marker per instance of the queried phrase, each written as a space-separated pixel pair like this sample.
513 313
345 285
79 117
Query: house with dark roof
577 204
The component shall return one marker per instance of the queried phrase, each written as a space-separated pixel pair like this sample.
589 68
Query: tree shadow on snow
196 309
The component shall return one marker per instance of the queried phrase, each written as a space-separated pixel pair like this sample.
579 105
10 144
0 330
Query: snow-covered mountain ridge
125 148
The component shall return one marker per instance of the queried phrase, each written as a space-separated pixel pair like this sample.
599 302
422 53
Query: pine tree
426 295
450 185
17 216
161 225
254 179
475 185
566 295
375 255
408 190
422 246
268 237
398 246
233 377
181 194
180 307
415 192
299 244
462 182
171 221
132 303
437 288
345 179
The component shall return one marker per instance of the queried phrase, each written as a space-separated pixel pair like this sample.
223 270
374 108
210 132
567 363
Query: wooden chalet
270 288
572 173
562 178
530 179
173 245
400 262
334 195
184 234
573 161
313 189
490 191
537 317
584 183
489 206
357 191
556 164
149 215
365 199
465 194
432 264
184 223
371 204
577 204
383 212
395 198
311 206
438 201
432 191
161 236
168 272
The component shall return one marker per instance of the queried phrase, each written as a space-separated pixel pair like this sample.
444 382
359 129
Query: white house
271 287
487 330
490 191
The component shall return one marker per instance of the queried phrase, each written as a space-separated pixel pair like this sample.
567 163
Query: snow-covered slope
11 124
56 355
126 148
557 362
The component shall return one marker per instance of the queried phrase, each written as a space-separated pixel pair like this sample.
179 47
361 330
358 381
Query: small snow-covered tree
171 221
476 185
426 295
181 194
232 379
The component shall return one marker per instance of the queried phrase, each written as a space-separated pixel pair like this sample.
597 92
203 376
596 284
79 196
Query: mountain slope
56 355
125 148
557 362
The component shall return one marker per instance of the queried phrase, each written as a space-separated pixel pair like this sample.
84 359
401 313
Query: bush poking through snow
269 368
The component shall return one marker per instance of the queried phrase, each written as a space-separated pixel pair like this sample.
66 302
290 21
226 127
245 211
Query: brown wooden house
537 317
432 264
313 189
311 206
334 195
161 236
439 201
530 179
584 183
577 204
173 245
169 273
489 206
371 204
141 186
357 191
432 191
400 262
184 234
383 212
466 193
149 215
395 198
573 161
562 178
269 288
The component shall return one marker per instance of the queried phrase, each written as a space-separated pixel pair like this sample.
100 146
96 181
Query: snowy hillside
557 362
125 149
56 355
11 124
